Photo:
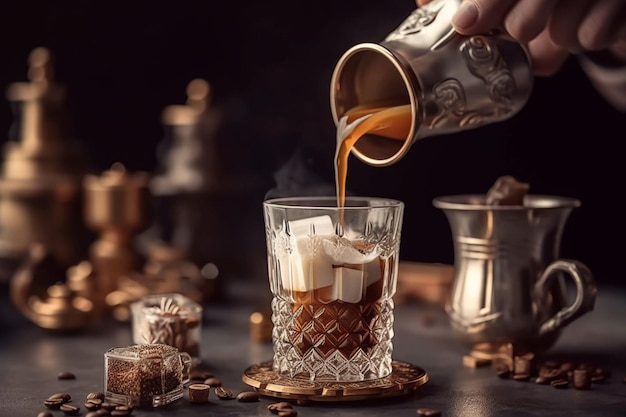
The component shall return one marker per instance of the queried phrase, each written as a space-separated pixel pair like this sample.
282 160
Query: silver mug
509 281
452 82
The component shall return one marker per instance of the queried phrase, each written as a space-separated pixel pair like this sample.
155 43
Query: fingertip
465 17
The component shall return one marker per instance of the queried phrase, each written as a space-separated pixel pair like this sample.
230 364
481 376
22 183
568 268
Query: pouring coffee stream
392 122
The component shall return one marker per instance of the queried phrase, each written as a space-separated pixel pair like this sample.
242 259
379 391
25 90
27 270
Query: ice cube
305 266
348 285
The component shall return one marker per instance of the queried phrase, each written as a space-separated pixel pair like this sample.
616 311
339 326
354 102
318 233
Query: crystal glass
333 273
171 319
145 375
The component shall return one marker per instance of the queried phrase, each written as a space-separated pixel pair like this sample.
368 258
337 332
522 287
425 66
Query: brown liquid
391 122
337 325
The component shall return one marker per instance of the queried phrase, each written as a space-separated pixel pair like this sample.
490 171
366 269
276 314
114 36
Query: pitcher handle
585 292
186 363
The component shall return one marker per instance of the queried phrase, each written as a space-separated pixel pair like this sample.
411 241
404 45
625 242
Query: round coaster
404 379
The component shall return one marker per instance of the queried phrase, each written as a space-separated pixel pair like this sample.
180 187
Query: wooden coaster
404 379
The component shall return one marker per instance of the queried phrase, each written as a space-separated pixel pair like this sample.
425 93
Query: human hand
552 29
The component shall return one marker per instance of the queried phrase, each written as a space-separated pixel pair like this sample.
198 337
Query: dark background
269 63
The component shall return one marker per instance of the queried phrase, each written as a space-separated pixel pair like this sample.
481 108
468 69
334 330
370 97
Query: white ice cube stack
318 258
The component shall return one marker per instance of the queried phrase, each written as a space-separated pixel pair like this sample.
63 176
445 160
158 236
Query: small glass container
170 319
148 375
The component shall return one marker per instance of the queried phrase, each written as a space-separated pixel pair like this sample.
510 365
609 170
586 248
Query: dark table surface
32 357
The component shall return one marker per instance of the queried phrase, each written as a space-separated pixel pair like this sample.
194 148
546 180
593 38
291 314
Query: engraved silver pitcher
509 282
452 82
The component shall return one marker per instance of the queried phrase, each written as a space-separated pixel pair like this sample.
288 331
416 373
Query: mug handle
585 292
185 358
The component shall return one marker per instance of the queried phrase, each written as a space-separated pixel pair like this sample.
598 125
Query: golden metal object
165 271
261 327
116 204
61 308
40 179
404 379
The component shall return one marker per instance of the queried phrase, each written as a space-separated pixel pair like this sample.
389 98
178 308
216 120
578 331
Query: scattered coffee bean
247 396
199 393
521 377
470 361
45 414
103 412
287 412
560 383
541 380
92 414
93 404
53 404
122 411
55 401
276 407
213 382
66 375
70 409
503 371
223 393
109 406
428 412
63 396
96 395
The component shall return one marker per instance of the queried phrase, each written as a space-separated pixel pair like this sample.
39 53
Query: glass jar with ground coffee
147 375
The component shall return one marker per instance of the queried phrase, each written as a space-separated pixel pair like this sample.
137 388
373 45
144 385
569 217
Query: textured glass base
336 341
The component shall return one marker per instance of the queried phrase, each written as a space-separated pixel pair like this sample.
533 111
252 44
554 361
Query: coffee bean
223 393
503 371
428 412
541 380
521 377
63 396
122 411
103 412
287 412
276 407
92 414
66 375
70 409
96 395
45 414
213 382
109 406
93 404
248 396
560 383
53 404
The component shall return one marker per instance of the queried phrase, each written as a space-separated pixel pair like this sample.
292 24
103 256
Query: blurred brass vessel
41 174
